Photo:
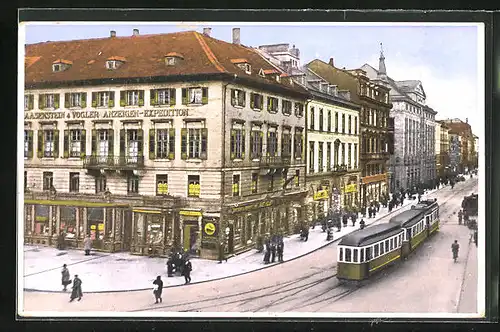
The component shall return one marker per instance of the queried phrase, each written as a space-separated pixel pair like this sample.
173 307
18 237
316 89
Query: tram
367 251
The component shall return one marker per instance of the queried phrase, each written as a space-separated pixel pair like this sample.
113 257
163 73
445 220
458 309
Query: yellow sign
92 226
209 228
251 207
99 114
350 188
100 227
322 194
190 213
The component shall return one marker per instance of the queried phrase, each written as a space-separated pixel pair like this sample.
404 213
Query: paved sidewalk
103 272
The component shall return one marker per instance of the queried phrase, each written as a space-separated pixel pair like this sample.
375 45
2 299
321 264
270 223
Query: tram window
376 252
392 243
347 255
341 256
368 253
397 241
386 245
355 256
382 248
361 255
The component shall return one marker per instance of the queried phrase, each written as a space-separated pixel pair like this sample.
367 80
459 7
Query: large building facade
413 162
147 147
442 142
468 152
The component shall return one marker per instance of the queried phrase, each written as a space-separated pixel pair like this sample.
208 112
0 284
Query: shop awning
146 211
73 203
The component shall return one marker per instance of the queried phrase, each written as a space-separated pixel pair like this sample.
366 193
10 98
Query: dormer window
114 62
61 65
173 58
243 65
261 73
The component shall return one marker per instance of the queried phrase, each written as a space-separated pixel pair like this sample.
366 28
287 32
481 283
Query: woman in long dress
77 289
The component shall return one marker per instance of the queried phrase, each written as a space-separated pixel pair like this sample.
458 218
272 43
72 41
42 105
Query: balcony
112 162
275 161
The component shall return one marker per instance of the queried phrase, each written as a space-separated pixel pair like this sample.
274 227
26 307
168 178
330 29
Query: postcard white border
482 192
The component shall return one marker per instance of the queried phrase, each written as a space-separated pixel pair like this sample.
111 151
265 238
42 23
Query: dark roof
408 217
426 204
370 234
144 54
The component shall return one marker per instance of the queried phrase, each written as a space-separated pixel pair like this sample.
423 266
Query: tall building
442 142
149 143
467 143
413 161
373 125
332 130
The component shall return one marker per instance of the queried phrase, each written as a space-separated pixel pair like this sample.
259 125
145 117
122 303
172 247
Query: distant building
413 161
442 144
468 159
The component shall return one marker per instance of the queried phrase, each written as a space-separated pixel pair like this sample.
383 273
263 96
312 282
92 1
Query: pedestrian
273 251
267 254
87 245
344 220
60 241
369 212
187 271
454 249
77 289
361 224
158 288
279 249
66 279
353 218
221 252
475 238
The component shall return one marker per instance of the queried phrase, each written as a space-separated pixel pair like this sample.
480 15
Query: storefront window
95 223
27 219
155 229
139 228
238 223
42 219
68 221
81 233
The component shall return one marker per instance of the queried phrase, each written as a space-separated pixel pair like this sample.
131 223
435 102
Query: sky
443 57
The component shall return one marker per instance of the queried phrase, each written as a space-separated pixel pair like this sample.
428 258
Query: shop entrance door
95 227
191 233
230 239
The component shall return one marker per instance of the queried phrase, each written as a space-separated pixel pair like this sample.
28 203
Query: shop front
154 231
374 188
349 190
191 221
45 220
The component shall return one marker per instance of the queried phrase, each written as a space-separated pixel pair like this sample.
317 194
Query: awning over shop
74 203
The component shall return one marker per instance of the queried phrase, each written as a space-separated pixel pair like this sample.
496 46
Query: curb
220 278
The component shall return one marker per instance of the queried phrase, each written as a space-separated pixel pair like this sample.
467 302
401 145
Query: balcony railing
275 161
113 162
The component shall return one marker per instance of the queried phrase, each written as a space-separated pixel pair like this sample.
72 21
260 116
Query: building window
336 122
48 180
311 157
162 97
25 181
134 98
298 143
321 120
236 185
355 155
112 64
163 145
28 102
100 184
320 157
256 141
193 185
103 99
355 125
272 104
132 184
297 178
311 123
343 153
349 147
328 156
286 107
103 141
349 124
49 143
299 110
28 143
133 144
286 144
343 123
75 142
74 182
48 101
161 184
75 99
194 96
256 101
255 182
329 122
272 143
194 143
238 98
237 142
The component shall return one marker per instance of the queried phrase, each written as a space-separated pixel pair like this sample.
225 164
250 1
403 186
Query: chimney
207 31
331 62
236 36
112 33
136 32
466 120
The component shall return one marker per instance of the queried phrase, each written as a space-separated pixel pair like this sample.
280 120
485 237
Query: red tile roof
202 55
175 54
237 61
68 62
117 58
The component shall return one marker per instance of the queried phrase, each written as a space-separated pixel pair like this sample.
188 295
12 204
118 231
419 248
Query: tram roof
408 217
369 235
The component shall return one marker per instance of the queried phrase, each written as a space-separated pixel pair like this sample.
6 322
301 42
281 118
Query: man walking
280 248
77 289
158 288
187 271
454 249
65 277
87 245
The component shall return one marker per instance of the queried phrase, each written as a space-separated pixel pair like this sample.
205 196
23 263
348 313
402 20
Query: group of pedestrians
274 247
77 284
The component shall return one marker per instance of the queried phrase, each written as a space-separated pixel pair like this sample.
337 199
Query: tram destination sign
106 114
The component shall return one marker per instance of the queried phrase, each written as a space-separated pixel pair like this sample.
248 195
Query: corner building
154 142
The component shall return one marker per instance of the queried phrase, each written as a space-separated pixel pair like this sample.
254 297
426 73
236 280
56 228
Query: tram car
366 252
469 204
